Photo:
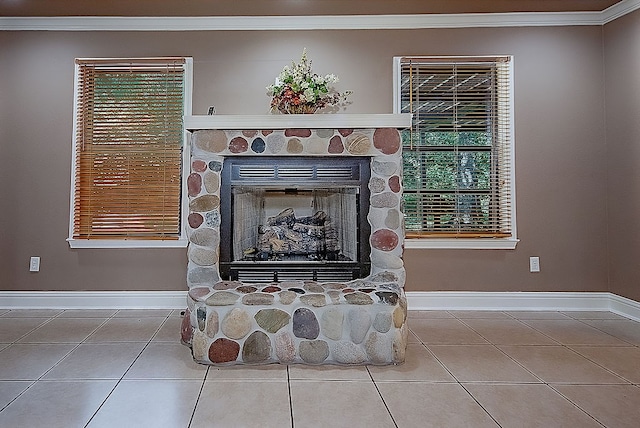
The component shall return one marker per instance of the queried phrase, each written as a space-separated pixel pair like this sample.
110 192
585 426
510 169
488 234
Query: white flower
309 95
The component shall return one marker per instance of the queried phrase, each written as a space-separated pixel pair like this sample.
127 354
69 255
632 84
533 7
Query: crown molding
350 22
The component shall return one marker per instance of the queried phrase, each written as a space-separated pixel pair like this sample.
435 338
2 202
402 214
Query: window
458 154
127 174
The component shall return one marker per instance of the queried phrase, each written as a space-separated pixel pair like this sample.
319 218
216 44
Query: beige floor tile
508 332
127 330
243 404
437 405
166 361
142 313
32 313
270 372
429 314
149 403
559 364
12 329
420 365
444 332
476 363
572 332
480 314
56 404
338 404
63 330
31 361
529 406
537 315
626 330
328 372
88 313
96 361
170 331
624 361
615 406
10 389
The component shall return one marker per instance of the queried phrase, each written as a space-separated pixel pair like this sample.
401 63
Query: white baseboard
417 300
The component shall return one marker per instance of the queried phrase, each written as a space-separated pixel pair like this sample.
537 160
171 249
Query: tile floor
98 368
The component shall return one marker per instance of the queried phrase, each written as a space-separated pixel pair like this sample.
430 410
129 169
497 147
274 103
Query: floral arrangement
298 90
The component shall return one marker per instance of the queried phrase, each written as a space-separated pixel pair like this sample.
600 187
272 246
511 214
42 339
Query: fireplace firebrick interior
294 318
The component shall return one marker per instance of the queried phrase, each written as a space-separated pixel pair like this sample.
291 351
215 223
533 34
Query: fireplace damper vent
338 186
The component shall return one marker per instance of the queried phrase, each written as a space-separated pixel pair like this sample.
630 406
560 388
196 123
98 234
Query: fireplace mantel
283 121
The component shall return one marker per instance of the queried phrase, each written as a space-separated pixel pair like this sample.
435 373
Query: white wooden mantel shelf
284 121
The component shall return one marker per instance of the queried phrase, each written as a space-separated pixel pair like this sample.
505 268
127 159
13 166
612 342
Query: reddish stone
198 293
246 289
199 166
194 184
266 132
345 132
366 290
249 133
238 145
297 132
186 331
384 239
195 220
387 140
226 285
394 183
223 351
271 289
348 290
335 145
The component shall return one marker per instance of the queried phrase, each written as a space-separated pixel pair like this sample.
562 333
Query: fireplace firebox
286 218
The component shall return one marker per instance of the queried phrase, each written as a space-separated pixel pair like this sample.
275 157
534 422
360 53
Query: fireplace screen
294 216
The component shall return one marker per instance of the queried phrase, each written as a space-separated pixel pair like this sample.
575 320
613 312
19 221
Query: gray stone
285 348
211 182
287 297
203 275
392 220
272 320
236 324
275 142
205 237
382 322
313 288
377 185
199 345
315 300
202 256
359 323
385 260
305 324
204 203
378 348
334 295
257 348
314 351
331 323
358 298
226 285
254 299
385 200
222 298
201 316
212 218
324 132
212 324
316 146
385 169
348 353
384 277
387 297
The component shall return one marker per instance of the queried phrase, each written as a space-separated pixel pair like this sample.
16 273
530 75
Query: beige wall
622 61
560 146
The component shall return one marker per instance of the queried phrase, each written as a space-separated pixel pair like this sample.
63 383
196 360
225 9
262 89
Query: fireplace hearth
295 240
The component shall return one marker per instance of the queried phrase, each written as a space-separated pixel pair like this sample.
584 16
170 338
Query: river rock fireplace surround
335 296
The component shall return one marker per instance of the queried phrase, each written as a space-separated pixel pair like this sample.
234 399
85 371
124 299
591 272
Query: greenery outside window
458 154
128 153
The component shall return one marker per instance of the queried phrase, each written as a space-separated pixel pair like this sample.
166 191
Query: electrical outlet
534 264
34 264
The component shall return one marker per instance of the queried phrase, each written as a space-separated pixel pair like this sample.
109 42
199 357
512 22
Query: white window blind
128 149
457 156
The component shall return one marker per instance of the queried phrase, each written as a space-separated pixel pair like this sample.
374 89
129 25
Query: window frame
485 243
182 240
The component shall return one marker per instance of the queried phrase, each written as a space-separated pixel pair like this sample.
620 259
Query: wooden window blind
457 155
128 149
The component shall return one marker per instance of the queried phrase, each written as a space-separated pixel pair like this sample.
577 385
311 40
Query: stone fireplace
295 240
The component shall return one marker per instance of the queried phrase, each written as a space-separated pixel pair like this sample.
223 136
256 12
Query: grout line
290 398
195 406
375 385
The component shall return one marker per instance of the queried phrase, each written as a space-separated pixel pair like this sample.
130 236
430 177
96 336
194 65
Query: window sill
106 243
462 243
